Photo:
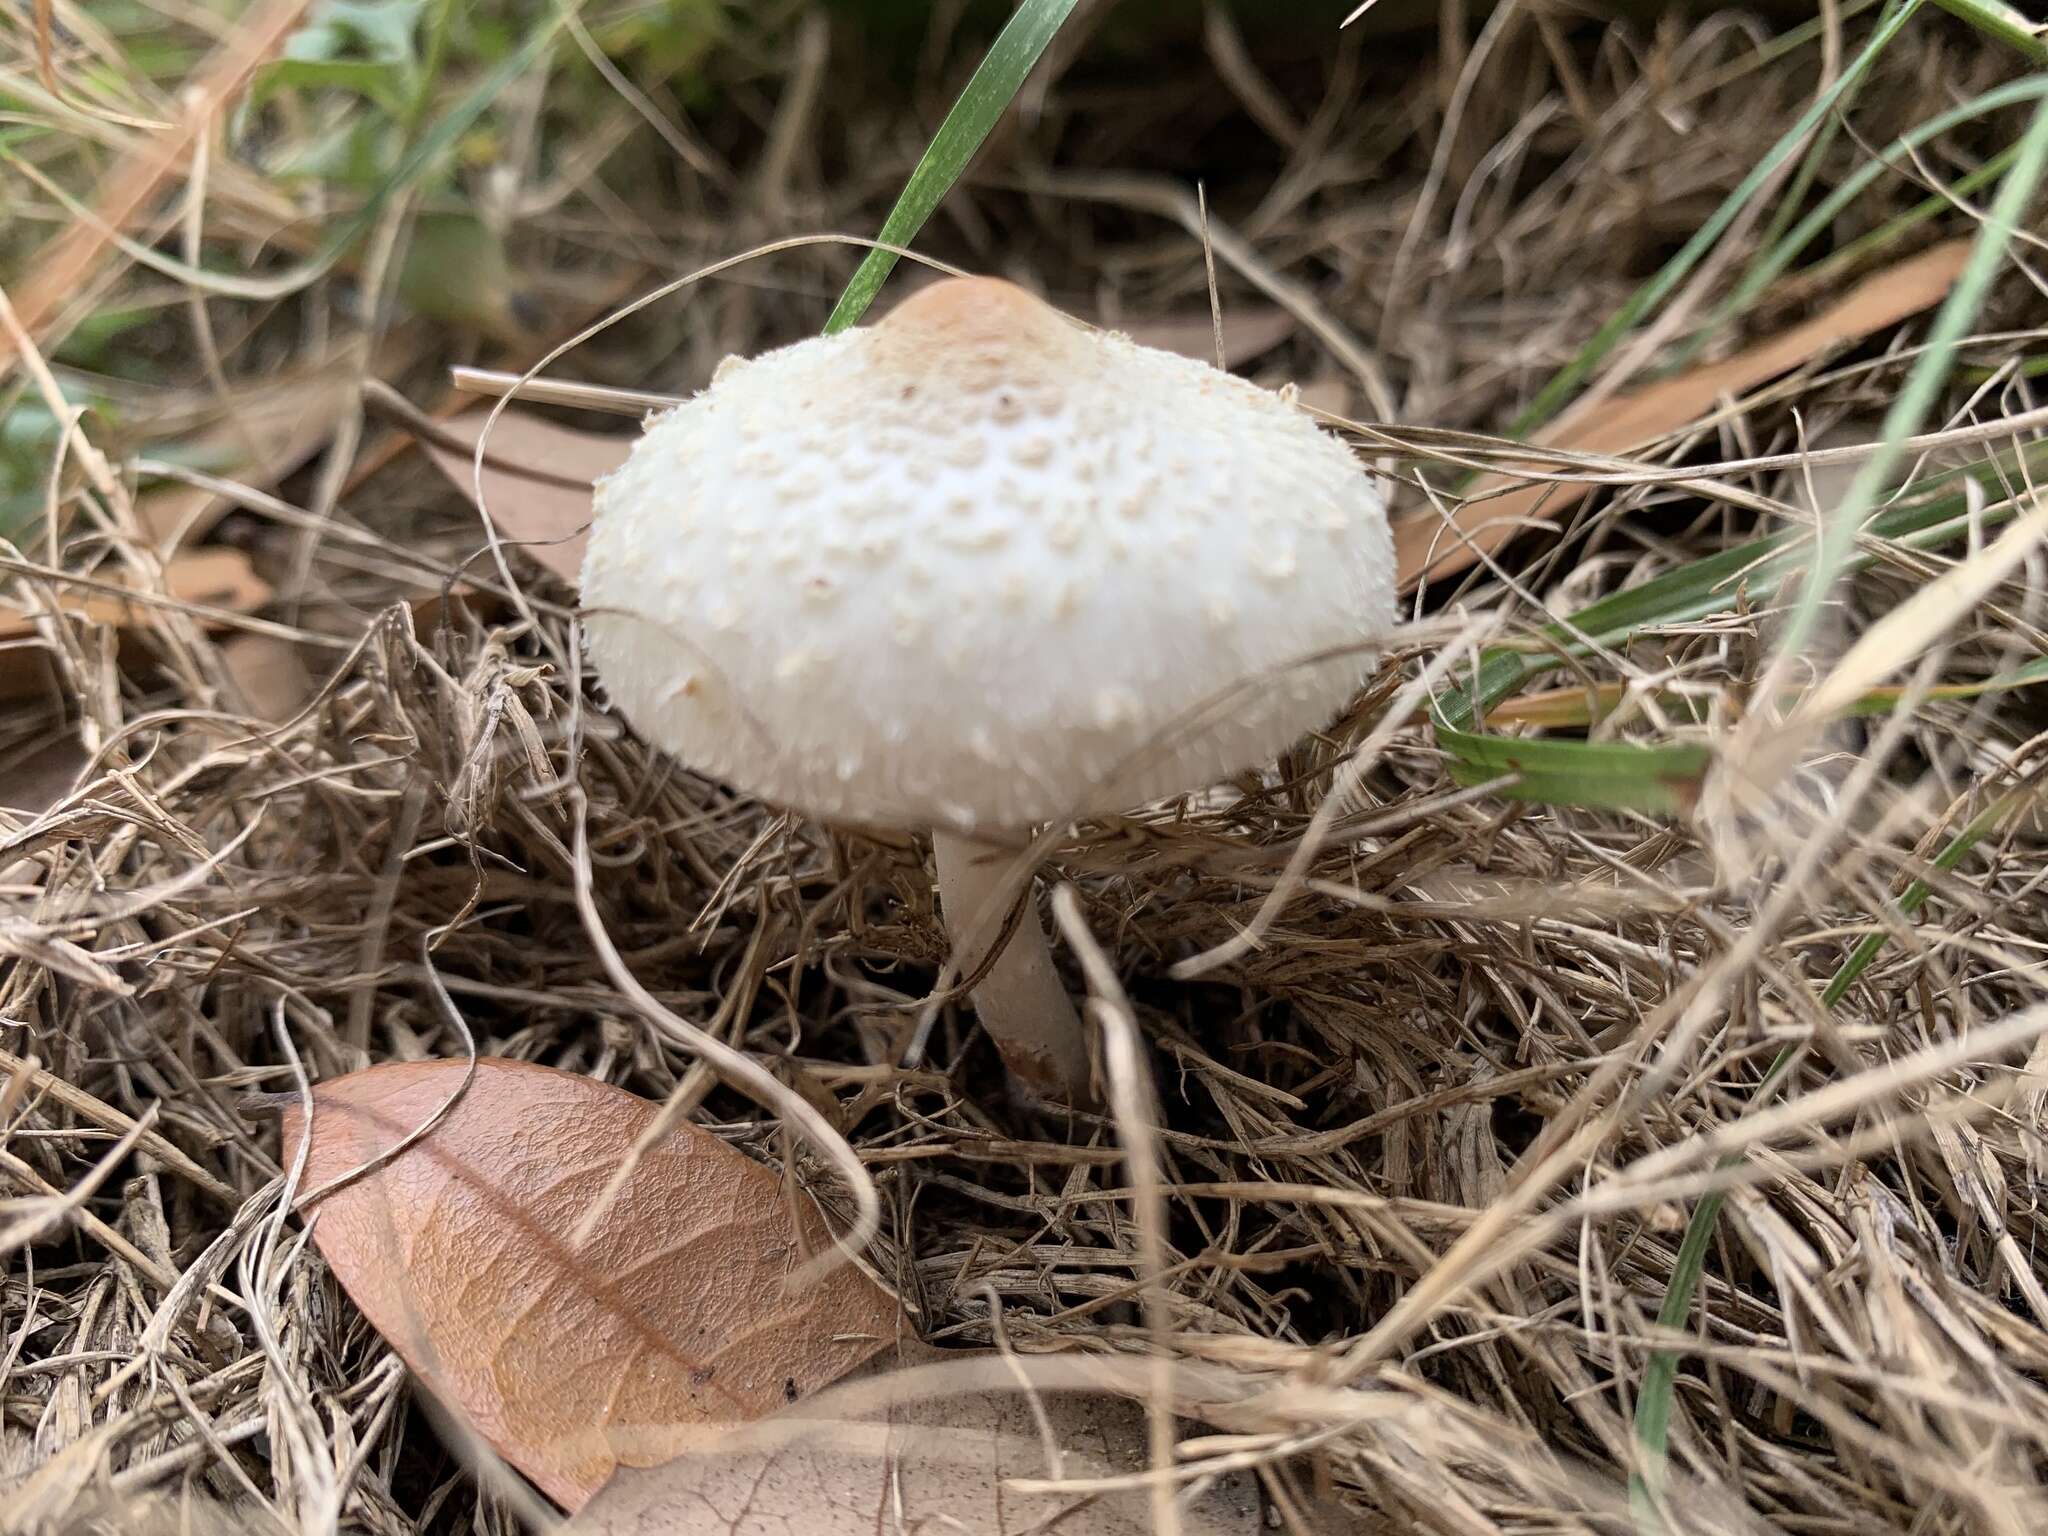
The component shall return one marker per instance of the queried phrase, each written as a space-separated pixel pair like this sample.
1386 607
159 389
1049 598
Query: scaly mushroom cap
978 567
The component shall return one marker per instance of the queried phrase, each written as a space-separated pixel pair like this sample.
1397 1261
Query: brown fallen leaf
1249 331
219 579
927 1449
675 1311
537 480
264 433
38 774
588 302
212 578
270 674
1425 549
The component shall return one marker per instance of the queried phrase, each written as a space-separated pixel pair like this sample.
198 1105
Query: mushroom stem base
1022 1002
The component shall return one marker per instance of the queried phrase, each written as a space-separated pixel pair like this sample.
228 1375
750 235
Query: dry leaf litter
1428 1142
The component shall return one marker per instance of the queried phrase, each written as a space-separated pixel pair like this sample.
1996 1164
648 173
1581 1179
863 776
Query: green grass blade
1664 779
1834 556
1924 382
1710 585
1588 704
2027 368
1660 1376
1802 182
1552 397
1796 38
1995 19
1615 776
1882 701
1781 254
1888 234
995 84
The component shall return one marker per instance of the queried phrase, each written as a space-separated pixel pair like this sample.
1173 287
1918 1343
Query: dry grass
1427 1147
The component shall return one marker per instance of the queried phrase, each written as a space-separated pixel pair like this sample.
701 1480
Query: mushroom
976 569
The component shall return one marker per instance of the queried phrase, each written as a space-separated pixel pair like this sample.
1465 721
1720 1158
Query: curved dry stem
736 1067
1022 1002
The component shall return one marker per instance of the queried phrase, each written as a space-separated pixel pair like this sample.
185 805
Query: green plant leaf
375 29
1714 583
455 270
93 342
382 84
1616 776
994 85
1996 19
1924 381
28 447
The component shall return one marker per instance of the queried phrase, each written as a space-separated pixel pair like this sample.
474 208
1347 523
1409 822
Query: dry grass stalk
1421 1204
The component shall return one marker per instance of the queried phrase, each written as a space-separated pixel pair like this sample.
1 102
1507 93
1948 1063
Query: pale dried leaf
676 1311
267 432
270 674
1249 331
889 1454
537 480
1426 550
213 578
33 780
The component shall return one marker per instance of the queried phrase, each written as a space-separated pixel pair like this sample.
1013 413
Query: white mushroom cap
976 566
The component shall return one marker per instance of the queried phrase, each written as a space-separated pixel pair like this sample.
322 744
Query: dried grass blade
1660 1375
1996 19
1923 384
1552 397
1496 507
66 263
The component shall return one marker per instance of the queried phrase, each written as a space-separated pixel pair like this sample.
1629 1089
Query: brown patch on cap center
979 325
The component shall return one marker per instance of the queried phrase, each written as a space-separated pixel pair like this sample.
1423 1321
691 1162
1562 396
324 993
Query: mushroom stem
1022 1002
